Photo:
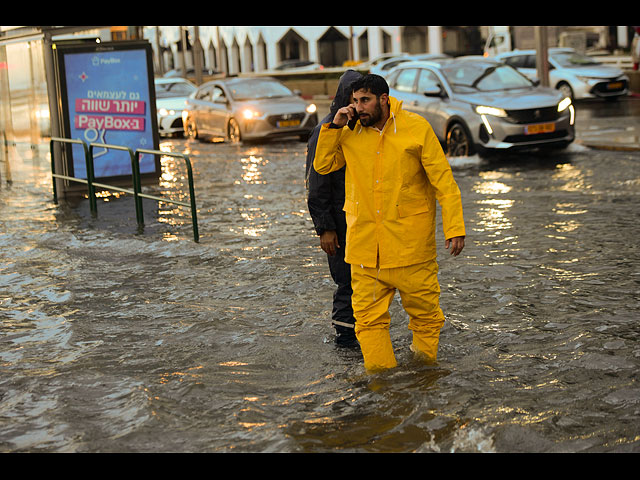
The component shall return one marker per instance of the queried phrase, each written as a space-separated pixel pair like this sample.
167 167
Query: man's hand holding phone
346 116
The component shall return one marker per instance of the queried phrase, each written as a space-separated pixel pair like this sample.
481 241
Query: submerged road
114 341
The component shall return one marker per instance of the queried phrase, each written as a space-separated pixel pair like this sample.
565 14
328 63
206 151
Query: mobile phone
352 123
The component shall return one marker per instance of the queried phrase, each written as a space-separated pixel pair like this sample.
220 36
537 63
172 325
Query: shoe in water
418 355
346 339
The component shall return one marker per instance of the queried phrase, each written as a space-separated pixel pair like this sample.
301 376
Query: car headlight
249 113
163 112
496 112
564 104
311 108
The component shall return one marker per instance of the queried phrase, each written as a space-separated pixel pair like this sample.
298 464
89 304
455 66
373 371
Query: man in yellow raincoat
395 171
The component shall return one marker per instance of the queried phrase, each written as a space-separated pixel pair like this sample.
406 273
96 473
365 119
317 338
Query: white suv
578 76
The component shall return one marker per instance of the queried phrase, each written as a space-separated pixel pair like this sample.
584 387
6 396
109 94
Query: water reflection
251 169
570 224
257 220
571 178
493 220
491 186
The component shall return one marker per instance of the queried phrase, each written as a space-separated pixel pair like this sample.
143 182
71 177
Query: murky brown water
115 341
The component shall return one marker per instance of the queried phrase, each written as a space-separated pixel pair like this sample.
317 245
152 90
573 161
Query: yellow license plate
614 85
540 128
288 123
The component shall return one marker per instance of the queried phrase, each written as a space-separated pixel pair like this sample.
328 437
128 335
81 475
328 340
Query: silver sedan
248 108
477 105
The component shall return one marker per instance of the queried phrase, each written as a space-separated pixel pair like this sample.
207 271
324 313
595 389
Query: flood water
113 340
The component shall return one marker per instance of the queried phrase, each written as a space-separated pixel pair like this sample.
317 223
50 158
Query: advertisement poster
109 98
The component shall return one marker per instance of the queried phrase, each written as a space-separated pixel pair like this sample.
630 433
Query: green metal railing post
53 170
90 177
135 173
192 194
93 204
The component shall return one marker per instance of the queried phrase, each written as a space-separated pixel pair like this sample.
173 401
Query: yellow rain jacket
392 181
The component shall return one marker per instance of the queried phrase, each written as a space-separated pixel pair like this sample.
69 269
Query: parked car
299 65
476 105
380 58
254 108
578 76
384 67
171 97
191 72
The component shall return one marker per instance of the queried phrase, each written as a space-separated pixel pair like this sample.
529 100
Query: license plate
288 123
539 128
614 85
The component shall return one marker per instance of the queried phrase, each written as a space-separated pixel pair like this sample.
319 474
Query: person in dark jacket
326 201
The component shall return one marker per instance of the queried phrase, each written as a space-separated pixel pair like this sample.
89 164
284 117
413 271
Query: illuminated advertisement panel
108 97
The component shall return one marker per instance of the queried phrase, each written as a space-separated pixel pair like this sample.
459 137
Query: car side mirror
433 91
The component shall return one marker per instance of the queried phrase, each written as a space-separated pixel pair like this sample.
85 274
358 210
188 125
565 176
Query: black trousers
342 314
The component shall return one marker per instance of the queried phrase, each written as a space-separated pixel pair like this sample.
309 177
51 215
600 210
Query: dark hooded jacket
326 192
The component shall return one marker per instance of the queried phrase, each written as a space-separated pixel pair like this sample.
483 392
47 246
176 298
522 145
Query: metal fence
135 169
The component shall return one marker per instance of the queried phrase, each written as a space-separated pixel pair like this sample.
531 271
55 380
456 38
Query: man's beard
374 118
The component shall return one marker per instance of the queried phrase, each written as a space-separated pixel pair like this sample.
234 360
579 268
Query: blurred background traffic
448 74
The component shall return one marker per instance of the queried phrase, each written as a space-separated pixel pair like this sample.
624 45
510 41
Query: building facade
244 49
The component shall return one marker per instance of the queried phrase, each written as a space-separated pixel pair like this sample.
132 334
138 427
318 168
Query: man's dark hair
371 83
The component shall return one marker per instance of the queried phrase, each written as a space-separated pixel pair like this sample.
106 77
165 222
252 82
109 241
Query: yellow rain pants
373 291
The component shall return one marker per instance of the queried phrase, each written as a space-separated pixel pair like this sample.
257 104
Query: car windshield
175 89
258 88
486 78
573 59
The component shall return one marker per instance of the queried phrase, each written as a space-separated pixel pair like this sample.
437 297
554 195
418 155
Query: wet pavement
611 125
117 341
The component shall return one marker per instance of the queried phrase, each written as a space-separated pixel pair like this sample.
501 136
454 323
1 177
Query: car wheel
233 131
192 130
459 141
566 89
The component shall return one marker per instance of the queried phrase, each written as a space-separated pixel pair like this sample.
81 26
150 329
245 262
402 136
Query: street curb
602 146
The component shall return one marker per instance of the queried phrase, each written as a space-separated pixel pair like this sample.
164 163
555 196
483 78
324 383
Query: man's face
369 107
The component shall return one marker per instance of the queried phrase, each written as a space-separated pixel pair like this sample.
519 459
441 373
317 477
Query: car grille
610 88
274 119
533 115
535 138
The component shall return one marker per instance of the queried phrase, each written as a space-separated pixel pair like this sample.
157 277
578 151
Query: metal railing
135 174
